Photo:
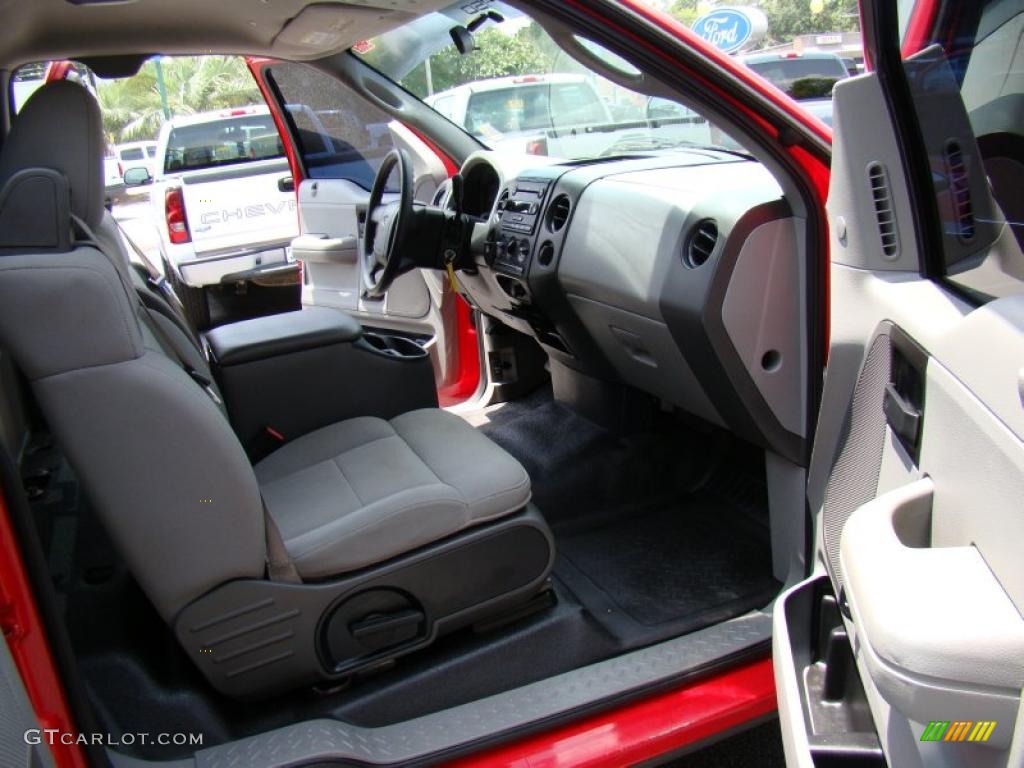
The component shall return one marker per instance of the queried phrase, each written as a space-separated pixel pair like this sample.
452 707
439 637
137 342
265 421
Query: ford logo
731 29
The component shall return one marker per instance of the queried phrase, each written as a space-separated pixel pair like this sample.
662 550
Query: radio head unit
518 220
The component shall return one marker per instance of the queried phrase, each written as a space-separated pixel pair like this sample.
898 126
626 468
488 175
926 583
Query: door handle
902 415
286 184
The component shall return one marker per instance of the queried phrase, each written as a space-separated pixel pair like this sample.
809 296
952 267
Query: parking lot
135 218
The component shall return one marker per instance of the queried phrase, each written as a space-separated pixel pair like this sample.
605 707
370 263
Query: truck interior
273 531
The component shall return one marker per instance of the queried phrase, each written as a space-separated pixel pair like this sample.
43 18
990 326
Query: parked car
805 77
740 438
224 202
113 180
137 154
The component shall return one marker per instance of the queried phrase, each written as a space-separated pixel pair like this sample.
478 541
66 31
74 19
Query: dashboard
680 274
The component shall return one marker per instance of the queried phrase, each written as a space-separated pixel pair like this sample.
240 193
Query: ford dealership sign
732 29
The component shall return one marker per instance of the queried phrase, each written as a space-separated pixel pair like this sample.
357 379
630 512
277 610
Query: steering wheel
387 225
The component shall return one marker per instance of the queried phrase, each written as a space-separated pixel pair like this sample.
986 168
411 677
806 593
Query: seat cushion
365 490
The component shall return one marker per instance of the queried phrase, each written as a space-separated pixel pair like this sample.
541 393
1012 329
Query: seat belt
280 566
165 341
156 278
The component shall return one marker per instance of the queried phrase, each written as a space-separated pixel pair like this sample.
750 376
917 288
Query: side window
967 88
28 78
340 135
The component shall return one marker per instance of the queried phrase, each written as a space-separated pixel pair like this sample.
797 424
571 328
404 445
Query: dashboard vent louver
885 213
702 243
558 214
502 200
959 187
442 193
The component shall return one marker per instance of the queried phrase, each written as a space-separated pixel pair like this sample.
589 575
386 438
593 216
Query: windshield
499 76
802 78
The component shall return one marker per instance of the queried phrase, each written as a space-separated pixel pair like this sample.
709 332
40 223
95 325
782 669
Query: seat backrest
153 451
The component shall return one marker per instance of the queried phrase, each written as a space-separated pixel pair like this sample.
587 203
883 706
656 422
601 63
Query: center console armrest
322 353
281 334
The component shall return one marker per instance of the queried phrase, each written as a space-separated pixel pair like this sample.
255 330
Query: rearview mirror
463 39
137 177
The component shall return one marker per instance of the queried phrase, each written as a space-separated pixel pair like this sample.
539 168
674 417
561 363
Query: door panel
914 612
332 208
336 140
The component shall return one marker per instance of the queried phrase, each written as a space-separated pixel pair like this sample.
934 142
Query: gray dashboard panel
725 339
629 229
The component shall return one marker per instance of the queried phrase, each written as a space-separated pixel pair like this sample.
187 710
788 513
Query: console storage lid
282 334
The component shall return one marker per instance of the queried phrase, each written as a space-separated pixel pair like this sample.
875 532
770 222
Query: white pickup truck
224 203
563 115
543 114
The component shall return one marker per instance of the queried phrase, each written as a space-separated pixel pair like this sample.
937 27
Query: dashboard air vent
702 243
502 200
558 213
884 211
959 186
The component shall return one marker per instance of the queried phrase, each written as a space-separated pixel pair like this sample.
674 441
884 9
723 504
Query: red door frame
682 719
26 639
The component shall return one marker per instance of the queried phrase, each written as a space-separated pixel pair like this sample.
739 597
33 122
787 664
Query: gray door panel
916 483
331 207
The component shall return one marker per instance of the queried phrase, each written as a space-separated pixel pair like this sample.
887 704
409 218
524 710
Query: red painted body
467 379
657 726
58 70
920 26
26 639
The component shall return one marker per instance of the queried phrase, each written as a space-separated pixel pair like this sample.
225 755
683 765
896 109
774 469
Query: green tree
131 106
789 18
685 10
786 18
528 51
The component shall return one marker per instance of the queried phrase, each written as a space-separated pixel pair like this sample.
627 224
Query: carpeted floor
658 533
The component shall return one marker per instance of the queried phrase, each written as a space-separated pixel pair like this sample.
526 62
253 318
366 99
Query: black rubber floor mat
672 570
582 473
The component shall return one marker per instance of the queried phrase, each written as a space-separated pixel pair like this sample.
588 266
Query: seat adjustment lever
382 630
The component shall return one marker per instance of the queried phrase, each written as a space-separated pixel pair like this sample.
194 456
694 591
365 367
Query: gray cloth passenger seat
154 451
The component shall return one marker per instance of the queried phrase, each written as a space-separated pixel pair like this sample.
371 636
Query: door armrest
324 249
930 617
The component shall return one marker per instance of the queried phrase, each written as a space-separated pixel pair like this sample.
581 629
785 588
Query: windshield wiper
624 125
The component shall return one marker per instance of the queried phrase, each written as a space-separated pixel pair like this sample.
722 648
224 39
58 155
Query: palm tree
132 109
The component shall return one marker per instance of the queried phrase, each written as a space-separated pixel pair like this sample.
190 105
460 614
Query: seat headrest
60 128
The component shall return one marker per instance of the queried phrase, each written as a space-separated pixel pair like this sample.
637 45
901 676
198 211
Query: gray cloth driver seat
384 516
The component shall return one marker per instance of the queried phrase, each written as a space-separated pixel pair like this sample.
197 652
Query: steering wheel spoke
387 225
